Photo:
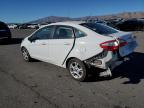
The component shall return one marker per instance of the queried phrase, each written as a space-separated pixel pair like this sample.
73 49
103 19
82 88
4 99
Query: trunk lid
131 42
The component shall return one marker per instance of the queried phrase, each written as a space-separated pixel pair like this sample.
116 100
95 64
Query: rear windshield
100 28
2 26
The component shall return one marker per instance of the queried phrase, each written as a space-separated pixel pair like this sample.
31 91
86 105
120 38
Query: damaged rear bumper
106 60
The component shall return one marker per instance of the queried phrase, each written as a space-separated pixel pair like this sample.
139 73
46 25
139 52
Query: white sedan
78 46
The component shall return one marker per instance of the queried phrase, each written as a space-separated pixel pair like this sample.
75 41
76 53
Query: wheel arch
25 48
22 47
67 61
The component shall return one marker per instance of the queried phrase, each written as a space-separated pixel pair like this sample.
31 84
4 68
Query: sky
28 10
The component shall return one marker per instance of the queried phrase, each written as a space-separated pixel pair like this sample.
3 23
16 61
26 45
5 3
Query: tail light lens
122 42
113 45
110 45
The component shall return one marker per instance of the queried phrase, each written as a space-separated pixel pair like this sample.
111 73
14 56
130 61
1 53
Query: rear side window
79 33
100 28
63 32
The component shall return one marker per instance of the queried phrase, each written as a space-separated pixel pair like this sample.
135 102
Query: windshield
100 28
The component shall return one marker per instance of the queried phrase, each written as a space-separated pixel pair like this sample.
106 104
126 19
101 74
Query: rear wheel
26 54
77 69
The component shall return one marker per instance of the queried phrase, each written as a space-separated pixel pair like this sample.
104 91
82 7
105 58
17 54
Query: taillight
122 42
111 45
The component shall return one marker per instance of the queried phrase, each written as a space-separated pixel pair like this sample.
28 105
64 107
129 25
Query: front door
39 47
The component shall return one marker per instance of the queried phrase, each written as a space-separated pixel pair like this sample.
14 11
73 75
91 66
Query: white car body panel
87 47
42 52
58 50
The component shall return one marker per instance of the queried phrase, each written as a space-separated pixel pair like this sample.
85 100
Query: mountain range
124 15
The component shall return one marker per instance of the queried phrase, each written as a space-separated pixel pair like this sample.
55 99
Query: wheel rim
25 54
76 70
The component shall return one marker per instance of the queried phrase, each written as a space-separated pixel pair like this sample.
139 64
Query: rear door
61 44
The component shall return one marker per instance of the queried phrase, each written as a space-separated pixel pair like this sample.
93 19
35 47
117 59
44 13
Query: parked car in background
131 25
44 24
114 22
12 26
28 26
33 26
5 32
101 21
22 26
78 46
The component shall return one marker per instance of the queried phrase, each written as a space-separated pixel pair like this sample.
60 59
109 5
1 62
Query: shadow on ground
11 42
132 69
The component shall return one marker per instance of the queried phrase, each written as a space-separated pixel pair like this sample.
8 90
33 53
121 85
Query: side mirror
32 39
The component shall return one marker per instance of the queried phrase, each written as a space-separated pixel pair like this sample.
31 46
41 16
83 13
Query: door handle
66 43
43 44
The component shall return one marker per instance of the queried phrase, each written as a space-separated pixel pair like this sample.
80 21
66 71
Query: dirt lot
43 85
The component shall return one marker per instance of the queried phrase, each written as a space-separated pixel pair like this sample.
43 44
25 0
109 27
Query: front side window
63 32
44 33
100 28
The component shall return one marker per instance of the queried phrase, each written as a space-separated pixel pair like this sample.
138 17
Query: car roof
69 23
2 22
75 24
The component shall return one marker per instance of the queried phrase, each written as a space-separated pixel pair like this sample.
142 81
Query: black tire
26 55
9 39
75 71
9 35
